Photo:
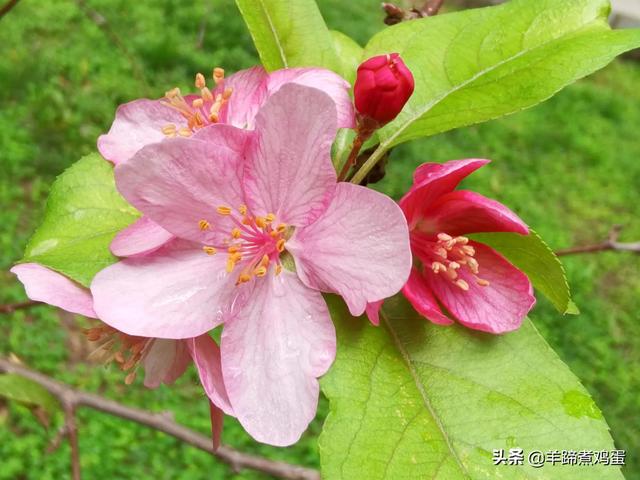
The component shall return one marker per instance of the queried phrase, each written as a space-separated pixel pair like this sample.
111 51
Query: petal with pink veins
180 182
249 93
141 237
358 248
461 212
165 362
206 356
329 82
45 285
137 123
497 308
419 295
431 180
272 354
176 292
288 170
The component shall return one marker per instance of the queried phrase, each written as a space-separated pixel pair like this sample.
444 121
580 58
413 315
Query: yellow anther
218 75
243 209
184 132
224 210
444 237
260 272
233 249
438 267
461 240
230 264
130 378
261 222
197 103
280 245
210 250
281 228
278 269
482 282
270 217
206 94
243 278
173 93
274 234
265 261
200 81
213 118
226 94
247 220
204 225
468 250
462 284
236 233
169 129
454 265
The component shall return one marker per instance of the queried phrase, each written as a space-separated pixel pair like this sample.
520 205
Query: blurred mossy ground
569 167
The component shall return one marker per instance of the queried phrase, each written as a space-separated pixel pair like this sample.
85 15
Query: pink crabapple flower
476 284
262 228
163 360
234 100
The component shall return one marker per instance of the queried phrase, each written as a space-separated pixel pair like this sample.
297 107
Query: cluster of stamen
448 255
200 112
254 242
114 346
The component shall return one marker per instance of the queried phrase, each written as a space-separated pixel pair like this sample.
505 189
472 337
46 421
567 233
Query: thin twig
611 243
12 307
237 460
6 8
72 434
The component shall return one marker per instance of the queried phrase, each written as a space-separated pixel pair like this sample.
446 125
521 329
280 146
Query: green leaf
534 257
289 33
411 399
481 64
84 212
25 391
349 53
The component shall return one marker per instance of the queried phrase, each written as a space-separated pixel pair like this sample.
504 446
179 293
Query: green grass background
570 168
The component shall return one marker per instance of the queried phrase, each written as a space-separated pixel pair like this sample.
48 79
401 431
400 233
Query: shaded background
569 167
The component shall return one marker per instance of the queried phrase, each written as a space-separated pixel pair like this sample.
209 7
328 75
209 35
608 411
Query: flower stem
369 164
361 137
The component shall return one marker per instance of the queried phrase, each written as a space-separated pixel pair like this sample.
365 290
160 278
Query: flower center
253 244
199 112
447 256
114 346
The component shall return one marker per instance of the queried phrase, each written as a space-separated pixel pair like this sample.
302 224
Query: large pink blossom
262 228
475 284
234 101
163 360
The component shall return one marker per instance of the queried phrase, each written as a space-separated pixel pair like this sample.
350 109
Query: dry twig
611 243
6 8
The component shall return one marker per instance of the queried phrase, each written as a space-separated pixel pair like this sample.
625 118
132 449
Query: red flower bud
383 86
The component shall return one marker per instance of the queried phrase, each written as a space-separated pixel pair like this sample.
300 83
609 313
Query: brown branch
611 244
12 307
6 8
237 460
72 434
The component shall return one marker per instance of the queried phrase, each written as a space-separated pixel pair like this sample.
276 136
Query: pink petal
165 362
272 354
432 180
179 182
288 170
176 292
497 308
206 356
141 237
249 93
358 248
330 83
461 212
373 312
217 422
419 295
221 135
48 286
137 124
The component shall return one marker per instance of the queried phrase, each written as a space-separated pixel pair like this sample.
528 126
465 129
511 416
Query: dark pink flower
383 86
475 284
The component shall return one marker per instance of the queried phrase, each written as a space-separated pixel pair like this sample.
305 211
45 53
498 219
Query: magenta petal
461 212
358 248
419 295
206 356
179 182
373 312
432 180
176 292
272 354
288 171
497 308
141 237
165 362
48 286
249 93
330 83
137 124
